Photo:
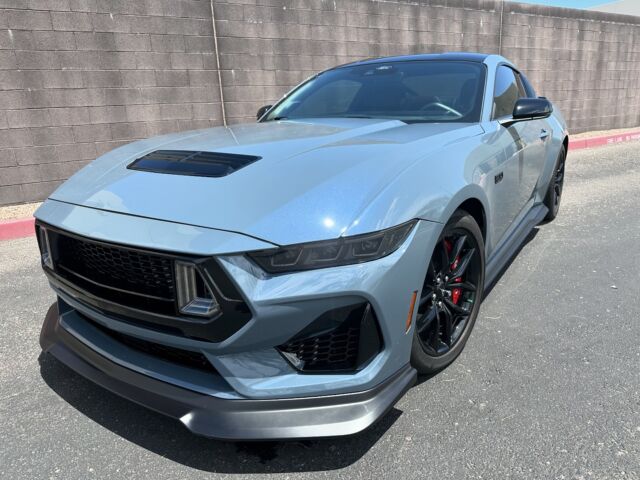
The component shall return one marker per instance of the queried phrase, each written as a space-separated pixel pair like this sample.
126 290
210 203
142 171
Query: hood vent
199 164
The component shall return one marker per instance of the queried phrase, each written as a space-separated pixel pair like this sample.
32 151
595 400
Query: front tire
450 296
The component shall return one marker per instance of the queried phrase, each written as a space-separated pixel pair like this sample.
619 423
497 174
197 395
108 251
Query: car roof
449 56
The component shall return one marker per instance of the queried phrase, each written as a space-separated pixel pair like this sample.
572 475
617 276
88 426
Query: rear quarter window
506 92
531 93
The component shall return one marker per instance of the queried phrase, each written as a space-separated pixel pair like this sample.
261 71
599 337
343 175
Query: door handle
543 134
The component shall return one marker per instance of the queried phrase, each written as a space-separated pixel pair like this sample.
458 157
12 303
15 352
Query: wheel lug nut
446 279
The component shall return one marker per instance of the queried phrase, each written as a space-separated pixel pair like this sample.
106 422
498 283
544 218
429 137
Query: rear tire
450 296
554 192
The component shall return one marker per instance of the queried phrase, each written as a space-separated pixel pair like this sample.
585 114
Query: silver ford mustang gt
290 278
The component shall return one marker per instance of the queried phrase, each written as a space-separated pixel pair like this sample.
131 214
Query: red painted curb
603 140
10 229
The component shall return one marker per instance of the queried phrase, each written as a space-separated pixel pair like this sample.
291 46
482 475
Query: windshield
412 91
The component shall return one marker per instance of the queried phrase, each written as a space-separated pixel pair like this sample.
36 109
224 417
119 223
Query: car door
505 194
537 134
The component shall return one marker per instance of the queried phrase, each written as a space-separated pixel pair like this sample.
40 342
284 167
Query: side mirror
262 110
529 109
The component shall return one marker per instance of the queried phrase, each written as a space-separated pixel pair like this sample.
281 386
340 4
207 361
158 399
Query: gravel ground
13 212
548 386
597 133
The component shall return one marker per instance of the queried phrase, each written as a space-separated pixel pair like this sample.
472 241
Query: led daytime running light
333 253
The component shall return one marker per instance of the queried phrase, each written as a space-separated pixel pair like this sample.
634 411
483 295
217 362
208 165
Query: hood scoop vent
198 164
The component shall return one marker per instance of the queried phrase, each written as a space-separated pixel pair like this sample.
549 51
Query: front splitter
272 419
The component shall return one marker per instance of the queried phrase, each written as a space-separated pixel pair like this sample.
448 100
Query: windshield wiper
329 116
339 116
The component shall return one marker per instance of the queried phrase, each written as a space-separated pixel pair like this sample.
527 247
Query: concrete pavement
548 386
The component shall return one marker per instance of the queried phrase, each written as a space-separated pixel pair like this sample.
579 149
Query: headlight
333 253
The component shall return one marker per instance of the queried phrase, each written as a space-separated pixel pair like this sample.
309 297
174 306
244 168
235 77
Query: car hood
312 181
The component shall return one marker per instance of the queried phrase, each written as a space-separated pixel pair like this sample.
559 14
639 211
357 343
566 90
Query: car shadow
532 234
487 290
170 439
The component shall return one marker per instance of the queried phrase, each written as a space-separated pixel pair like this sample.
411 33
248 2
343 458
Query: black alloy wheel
450 297
558 181
554 192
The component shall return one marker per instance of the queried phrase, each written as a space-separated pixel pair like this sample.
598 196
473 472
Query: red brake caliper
456 292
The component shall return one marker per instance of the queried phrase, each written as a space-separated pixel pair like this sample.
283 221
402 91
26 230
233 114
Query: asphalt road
548 386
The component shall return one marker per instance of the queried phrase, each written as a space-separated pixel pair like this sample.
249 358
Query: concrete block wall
587 63
268 46
80 77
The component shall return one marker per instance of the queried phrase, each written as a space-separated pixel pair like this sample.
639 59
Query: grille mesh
342 339
335 350
179 356
121 268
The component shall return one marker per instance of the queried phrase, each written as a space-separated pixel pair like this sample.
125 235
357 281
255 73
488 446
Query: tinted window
521 90
506 92
531 93
413 91
329 100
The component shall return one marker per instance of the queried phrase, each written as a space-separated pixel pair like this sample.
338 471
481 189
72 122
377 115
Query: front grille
186 358
138 286
130 270
125 276
345 339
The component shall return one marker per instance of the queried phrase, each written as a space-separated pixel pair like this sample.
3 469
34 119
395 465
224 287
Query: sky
628 7
568 3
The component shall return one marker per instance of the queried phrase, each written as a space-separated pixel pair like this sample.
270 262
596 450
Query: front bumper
308 417
253 391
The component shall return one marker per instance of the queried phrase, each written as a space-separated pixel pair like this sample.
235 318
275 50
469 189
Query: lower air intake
186 358
343 339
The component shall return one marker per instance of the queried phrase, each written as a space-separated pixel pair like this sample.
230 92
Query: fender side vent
185 162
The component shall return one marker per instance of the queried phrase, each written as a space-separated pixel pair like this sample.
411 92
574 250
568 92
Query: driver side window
506 92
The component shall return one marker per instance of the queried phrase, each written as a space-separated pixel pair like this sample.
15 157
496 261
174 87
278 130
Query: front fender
471 191
432 188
